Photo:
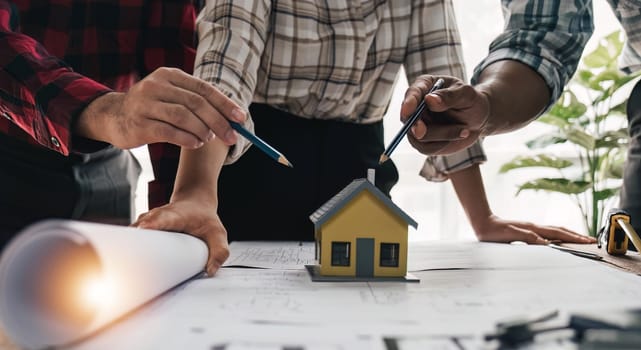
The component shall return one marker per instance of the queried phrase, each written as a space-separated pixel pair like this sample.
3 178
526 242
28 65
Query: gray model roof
333 206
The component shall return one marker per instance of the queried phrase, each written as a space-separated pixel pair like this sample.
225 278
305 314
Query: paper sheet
271 255
280 305
432 255
62 280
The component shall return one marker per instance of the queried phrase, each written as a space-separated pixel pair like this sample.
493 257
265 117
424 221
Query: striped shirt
334 60
549 36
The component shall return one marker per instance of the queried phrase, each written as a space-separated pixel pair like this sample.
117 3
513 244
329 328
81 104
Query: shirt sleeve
434 47
232 36
39 94
549 36
438 168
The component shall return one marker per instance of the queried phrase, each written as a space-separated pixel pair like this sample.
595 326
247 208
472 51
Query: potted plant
588 118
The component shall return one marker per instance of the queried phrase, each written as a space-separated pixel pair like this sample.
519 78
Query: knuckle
202 87
148 85
166 132
164 71
195 101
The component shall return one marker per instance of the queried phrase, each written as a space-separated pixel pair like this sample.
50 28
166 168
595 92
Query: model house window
340 253
389 254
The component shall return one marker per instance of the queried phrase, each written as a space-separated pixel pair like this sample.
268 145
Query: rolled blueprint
60 280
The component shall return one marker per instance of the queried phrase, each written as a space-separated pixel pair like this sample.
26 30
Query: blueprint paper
133 267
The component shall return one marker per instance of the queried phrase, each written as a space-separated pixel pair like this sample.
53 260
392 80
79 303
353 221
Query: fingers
415 94
432 132
209 103
515 233
458 97
455 114
442 147
179 218
192 113
160 219
561 234
176 124
218 252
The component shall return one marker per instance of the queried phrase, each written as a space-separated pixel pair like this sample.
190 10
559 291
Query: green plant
588 118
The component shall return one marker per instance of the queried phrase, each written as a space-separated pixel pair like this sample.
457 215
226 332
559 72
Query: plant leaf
567 107
618 109
598 58
540 160
606 193
580 137
612 165
583 77
545 140
612 139
556 185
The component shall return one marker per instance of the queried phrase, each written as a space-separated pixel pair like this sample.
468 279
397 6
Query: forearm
198 171
468 185
42 96
517 95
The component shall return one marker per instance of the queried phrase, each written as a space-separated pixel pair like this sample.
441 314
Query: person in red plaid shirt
63 125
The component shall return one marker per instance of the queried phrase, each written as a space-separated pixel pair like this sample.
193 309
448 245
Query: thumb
454 97
155 221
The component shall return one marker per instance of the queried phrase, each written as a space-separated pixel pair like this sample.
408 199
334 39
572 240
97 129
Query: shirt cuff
543 66
438 168
242 144
64 108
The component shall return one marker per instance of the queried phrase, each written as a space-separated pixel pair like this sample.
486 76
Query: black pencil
262 145
408 124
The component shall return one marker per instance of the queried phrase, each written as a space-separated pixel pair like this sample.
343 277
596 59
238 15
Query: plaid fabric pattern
629 14
326 60
55 53
547 35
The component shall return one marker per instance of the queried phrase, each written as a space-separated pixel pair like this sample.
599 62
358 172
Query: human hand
169 105
495 229
196 219
454 117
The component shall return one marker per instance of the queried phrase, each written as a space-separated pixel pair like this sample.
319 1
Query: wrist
194 193
92 122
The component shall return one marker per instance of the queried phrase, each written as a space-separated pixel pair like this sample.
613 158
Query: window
389 254
340 253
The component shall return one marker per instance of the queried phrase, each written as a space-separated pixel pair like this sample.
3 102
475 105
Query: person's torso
98 39
340 59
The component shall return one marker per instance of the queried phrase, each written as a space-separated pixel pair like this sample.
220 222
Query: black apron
260 199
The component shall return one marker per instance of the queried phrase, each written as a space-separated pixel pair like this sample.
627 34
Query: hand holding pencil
408 124
455 114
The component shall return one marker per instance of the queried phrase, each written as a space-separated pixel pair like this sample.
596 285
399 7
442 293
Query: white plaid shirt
328 60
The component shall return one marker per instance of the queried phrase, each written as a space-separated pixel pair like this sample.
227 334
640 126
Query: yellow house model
361 234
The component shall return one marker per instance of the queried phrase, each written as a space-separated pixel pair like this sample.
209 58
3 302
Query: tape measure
617 233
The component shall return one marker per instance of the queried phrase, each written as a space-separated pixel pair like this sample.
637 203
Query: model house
361 233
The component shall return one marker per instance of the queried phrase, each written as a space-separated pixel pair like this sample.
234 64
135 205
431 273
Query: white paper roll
62 280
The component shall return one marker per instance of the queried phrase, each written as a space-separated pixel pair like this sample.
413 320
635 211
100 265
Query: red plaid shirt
54 53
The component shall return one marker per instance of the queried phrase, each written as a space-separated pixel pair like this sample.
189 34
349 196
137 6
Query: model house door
364 257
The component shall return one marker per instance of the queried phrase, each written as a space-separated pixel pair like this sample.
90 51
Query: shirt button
55 141
6 115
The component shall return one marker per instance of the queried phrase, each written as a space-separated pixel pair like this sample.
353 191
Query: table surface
465 288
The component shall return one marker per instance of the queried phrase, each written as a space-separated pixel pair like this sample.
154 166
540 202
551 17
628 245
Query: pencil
408 124
262 145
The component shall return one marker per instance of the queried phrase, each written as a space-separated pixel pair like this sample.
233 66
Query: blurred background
434 205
